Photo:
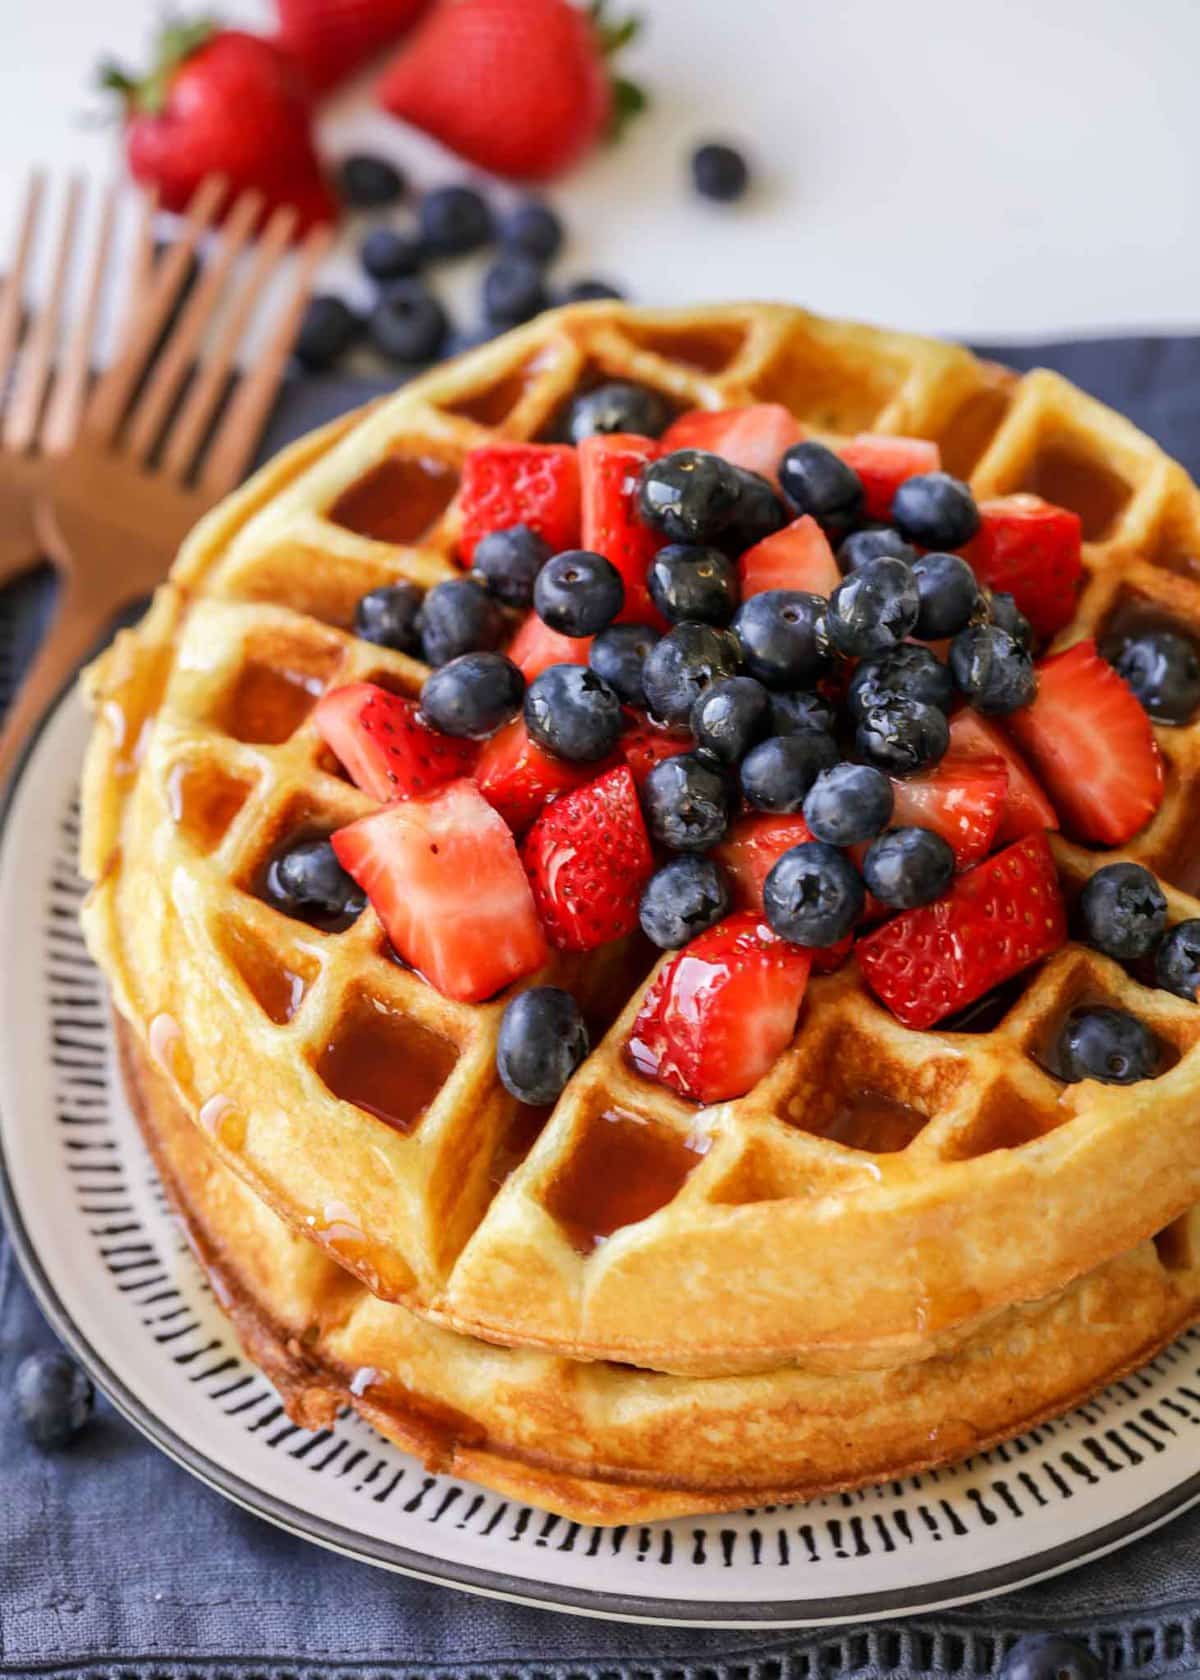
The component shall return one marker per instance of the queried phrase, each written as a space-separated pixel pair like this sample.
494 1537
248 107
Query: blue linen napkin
114 1562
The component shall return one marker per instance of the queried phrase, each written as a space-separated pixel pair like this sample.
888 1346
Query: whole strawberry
519 87
331 39
222 102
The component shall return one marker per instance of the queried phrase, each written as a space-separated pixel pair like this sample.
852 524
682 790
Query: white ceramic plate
110 1268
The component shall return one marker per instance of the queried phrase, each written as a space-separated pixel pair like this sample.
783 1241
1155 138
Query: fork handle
77 627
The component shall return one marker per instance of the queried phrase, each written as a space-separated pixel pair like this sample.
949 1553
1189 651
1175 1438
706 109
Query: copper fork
117 473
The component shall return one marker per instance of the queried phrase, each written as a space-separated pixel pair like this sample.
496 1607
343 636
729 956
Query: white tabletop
1022 168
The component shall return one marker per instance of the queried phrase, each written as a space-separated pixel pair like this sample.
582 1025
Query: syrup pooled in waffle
882 1191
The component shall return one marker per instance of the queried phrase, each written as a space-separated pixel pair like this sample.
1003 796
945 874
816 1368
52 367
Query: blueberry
1006 615
690 495
813 895
617 407
327 331
1162 667
619 654
578 592
687 803
473 695
875 608
1123 911
784 636
592 291
368 182
1177 964
759 514
848 804
908 671
388 617
686 896
458 617
455 220
408 324
730 717
994 672
682 665
815 480
55 1398
948 592
508 561
542 1040
870 544
719 172
573 713
308 882
696 583
902 736
513 290
777 774
533 229
908 866
935 510
387 254
1051 1656
1106 1044
794 712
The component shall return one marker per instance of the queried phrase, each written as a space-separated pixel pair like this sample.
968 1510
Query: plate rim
766 1614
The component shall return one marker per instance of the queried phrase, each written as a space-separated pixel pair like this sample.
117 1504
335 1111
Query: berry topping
536 647
875 608
693 583
327 331
1106 1044
815 480
730 717
872 543
444 878
387 748
1177 964
948 594
1006 615
689 495
308 882
683 665
687 803
792 713
994 921
848 804
455 220
1026 808
884 463
908 866
592 291
368 182
754 437
813 895
719 172
643 746
610 468
962 799
473 695
1051 1656
514 290
55 1397
759 514
935 510
507 563
458 617
907 672
517 777
572 711
587 857
1033 551
798 557
777 774
578 593
686 896
619 655
902 736
784 637
408 324
992 669
542 1040
1123 911
718 1016
749 853
534 484
617 407
535 229
387 254
1162 667
388 617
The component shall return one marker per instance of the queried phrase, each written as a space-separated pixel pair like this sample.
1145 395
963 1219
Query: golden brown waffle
883 1192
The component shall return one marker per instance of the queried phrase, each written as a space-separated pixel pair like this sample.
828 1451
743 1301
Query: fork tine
61 424
193 420
12 298
241 427
171 368
111 396
22 420
141 268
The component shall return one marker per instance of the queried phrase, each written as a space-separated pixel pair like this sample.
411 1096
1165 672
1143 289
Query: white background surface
1016 168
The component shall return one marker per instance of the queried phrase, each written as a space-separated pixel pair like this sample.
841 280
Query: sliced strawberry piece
445 880
1027 810
610 465
588 858
535 646
722 1011
1033 551
534 484
996 920
517 778
756 437
643 746
962 799
1092 745
752 848
385 746
798 557
883 464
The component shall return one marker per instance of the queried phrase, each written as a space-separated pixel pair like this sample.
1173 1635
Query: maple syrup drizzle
623 1169
523 1132
495 402
386 1064
278 990
268 703
203 801
398 500
707 349
875 1122
1068 478
971 428
129 709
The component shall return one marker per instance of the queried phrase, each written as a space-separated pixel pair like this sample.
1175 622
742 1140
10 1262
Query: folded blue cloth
115 1562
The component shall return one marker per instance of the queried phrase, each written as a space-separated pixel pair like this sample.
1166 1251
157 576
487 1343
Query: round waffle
769 1231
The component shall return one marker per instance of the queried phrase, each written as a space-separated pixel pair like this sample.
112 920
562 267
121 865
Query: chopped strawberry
445 880
722 1011
798 557
517 777
644 745
1026 807
756 437
534 484
331 39
609 467
962 799
1092 745
588 858
751 850
883 464
996 920
385 746
1033 551
535 646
